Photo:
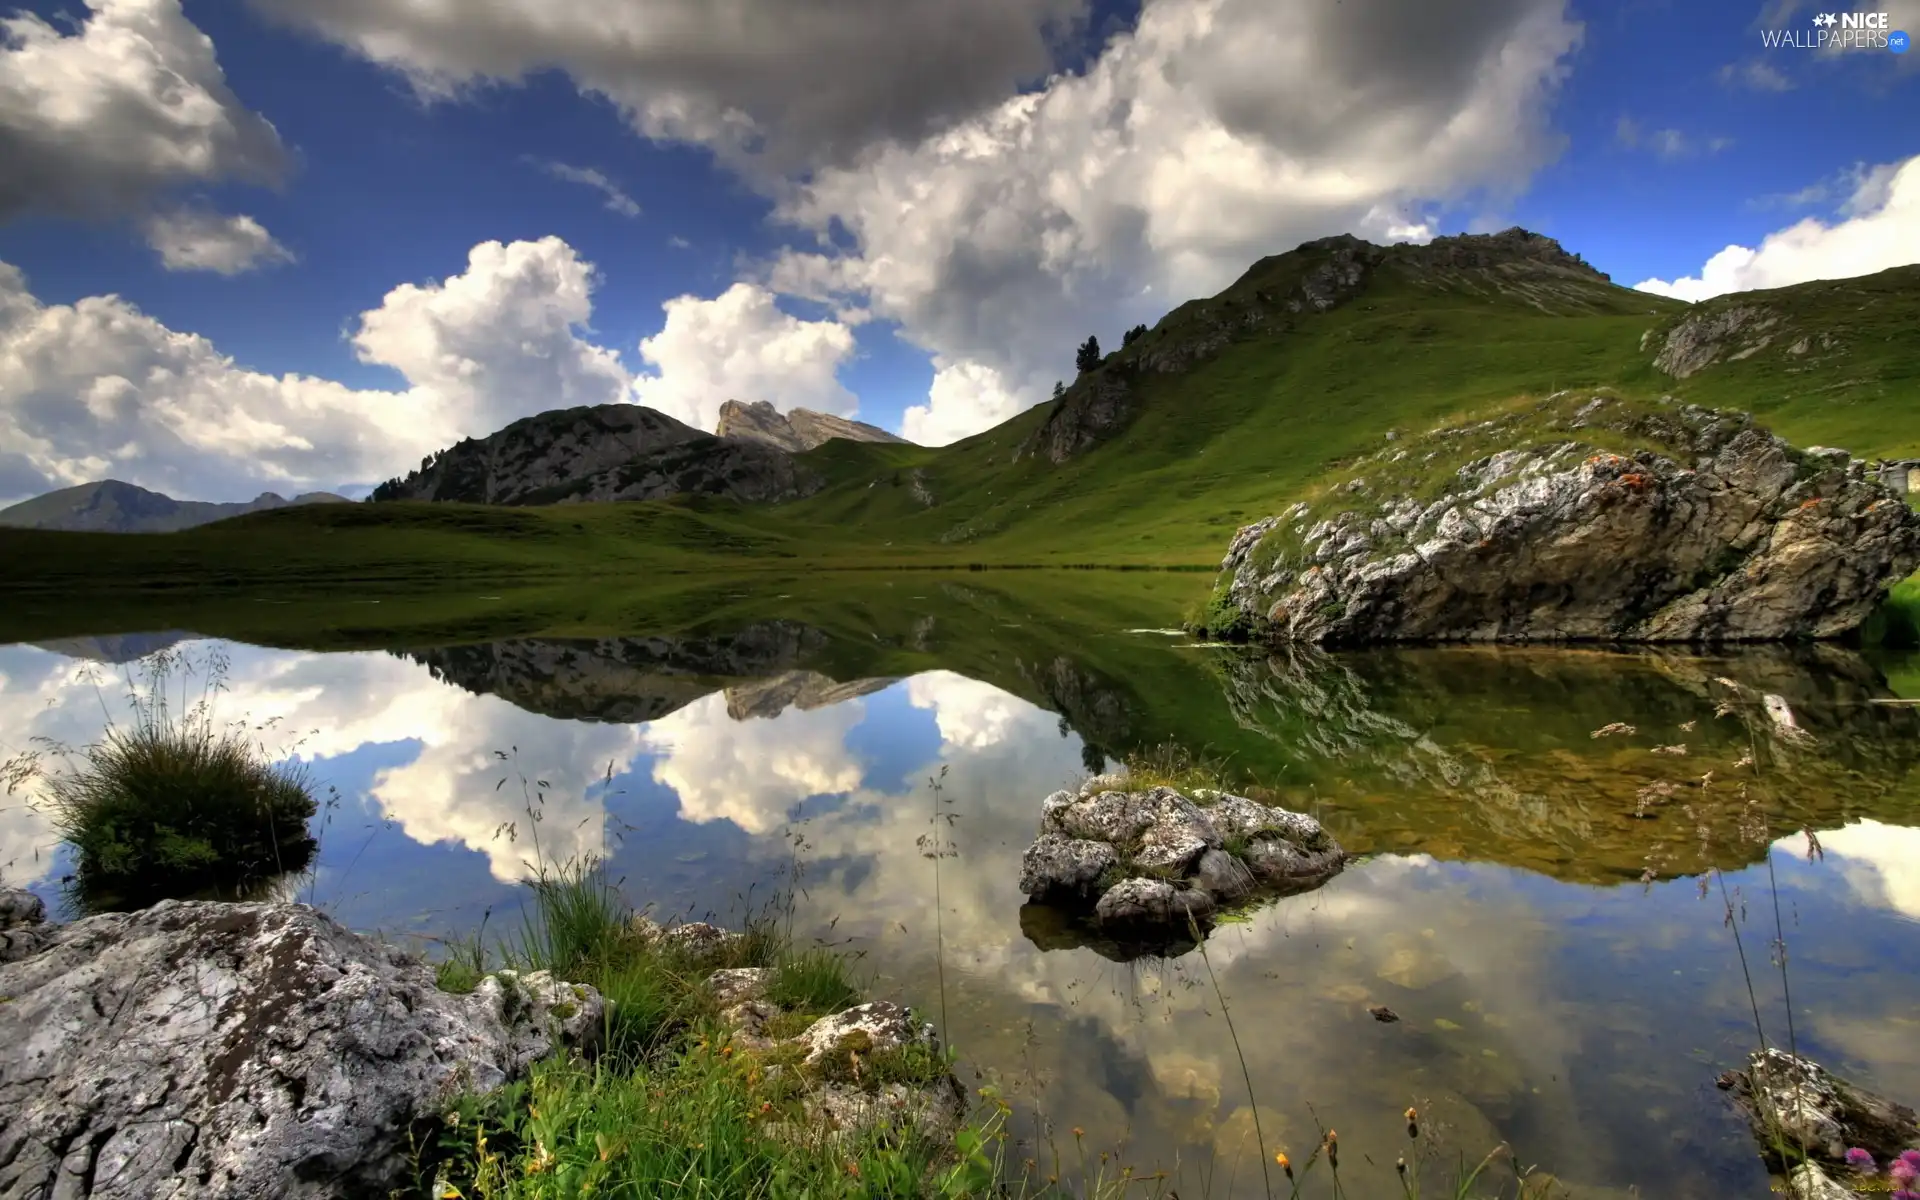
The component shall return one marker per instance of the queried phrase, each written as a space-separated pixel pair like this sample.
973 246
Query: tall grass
172 804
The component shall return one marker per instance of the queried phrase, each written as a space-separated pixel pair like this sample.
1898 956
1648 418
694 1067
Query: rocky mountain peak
796 431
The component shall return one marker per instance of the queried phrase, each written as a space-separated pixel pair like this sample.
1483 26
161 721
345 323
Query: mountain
601 453
796 431
111 506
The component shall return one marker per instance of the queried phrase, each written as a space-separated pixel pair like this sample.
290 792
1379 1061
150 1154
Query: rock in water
244 1051
1153 863
1796 1101
1579 519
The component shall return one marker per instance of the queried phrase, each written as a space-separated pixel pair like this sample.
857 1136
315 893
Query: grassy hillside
1217 417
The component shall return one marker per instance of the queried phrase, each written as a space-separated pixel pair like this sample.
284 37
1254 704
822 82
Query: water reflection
1532 915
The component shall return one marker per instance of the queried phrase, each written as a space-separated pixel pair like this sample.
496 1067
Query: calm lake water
1534 902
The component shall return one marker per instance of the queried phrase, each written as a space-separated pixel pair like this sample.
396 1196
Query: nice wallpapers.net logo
1839 31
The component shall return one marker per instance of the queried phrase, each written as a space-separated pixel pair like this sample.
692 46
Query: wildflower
1286 1164
726 1052
1400 1164
1333 1149
1905 1169
1413 1123
1860 1161
1079 1132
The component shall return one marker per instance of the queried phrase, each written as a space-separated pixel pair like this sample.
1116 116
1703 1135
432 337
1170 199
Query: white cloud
1881 862
1216 132
754 79
752 772
194 240
617 199
101 120
972 715
963 399
741 346
98 388
1879 228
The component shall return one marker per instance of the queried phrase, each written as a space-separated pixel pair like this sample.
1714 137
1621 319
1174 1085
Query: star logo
1826 19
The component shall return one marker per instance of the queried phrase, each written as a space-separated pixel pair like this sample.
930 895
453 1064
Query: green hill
1217 416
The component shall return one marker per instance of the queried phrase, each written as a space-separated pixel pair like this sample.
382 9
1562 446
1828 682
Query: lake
1546 910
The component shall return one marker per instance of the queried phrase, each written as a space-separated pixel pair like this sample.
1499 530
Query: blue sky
904 210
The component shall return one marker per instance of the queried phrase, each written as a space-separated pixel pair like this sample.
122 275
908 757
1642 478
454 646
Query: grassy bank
676 1101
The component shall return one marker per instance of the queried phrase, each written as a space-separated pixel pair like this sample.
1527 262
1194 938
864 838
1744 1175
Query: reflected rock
624 680
116 648
1149 868
1597 765
806 690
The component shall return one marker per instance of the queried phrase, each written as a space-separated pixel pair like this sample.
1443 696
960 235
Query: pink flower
1860 1161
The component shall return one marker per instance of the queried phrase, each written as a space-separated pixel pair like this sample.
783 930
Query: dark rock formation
1154 864
1587 520
799 430
244 1051
606 452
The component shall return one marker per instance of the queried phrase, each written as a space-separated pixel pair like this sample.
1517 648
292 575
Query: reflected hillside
634 679
1490 754
1470 754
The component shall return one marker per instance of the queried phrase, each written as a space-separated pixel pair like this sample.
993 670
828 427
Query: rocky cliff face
1585 518
796 431
602 453
1516 265
111 506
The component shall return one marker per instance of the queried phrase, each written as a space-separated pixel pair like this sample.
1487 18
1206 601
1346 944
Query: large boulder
1582 518
1146 864
244 1050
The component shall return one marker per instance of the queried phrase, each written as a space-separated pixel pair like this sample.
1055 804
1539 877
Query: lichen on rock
1581 518
245 1050
1149 863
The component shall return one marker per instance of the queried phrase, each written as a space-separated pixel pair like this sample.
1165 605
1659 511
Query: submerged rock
1581 519
245 1050
1153 863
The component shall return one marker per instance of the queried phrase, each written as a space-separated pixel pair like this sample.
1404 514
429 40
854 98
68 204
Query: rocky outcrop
1582 519
796 431
245 1051
1156 862
111 506
866 1071
1796 1102
604 453
549 450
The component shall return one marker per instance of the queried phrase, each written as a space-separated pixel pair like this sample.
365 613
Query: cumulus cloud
1215 132
617 199
972 715
195 240
741 346
963 399
758 80
1877 860
752 772
101 120
99 388
1877 227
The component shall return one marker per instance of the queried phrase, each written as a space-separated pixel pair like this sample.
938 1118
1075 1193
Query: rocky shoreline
264 1050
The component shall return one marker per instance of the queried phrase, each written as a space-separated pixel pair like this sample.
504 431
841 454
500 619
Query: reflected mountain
628 680
115 648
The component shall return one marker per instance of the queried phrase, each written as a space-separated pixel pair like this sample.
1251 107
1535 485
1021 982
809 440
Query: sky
300 244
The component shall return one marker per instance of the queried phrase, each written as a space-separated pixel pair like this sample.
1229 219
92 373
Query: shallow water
1531 904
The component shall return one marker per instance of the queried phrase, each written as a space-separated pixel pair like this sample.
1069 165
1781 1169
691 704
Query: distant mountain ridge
111 506
600 453
797 431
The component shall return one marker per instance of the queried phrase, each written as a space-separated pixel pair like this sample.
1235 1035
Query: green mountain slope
1219 415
